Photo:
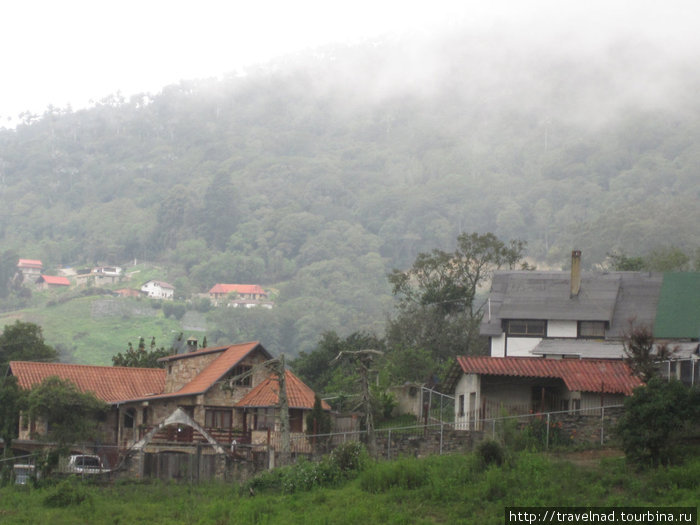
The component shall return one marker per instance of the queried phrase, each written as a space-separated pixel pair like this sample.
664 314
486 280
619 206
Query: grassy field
90 330
446 489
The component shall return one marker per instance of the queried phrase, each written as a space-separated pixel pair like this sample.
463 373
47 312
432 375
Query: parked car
85 464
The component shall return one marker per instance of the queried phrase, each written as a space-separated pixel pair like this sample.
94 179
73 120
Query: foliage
318 370
344 463
659 259
318 421
72 416
141 358
67 493
436 296
24 342
11 401
656 420
641 354
173 309
490 452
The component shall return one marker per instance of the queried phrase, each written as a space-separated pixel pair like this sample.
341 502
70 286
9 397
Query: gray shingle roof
614 297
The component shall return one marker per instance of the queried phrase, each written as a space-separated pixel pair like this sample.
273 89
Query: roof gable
266 393
111 384
588 375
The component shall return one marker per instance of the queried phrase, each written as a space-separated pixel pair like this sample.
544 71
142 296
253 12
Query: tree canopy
437 310
24 342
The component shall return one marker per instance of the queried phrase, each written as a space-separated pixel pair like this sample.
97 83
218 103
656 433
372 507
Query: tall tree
436 296
10 404
24 342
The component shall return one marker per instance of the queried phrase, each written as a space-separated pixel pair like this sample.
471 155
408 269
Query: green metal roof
678 312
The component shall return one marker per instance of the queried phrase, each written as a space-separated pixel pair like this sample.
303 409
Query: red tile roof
111 384
52 279
237 288
216 370
588 375
30 263
266 394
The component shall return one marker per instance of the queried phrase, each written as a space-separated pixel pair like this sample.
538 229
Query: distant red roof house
244 291
30 268
51 281
30 263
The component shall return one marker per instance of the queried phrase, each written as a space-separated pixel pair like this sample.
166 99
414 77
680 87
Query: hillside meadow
442 489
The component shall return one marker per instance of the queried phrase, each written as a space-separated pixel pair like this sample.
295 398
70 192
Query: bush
490 452
66 493
657 417
349 457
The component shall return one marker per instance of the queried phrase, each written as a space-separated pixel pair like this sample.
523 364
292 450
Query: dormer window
591 329
526 327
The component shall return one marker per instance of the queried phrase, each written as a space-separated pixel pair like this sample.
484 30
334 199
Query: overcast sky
73 51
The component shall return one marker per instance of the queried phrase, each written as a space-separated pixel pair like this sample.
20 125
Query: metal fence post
441 429
547 443
602 425
493 429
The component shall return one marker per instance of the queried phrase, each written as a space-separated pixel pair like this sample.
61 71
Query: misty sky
73 51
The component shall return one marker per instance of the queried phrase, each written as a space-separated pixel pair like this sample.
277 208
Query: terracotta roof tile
111 384
217 369
237 288
588 375
30 263
52 279
266 394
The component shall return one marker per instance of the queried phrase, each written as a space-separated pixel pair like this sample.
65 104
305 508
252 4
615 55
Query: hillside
318 174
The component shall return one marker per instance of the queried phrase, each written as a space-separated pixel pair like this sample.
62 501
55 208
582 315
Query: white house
158 290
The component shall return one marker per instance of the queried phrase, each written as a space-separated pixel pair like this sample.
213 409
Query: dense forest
316 175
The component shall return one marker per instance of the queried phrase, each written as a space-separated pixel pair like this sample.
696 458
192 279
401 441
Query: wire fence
542 431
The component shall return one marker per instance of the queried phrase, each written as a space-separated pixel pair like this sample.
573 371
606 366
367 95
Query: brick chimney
575 272
192 344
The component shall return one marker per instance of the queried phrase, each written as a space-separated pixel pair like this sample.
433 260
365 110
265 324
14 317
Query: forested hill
318 173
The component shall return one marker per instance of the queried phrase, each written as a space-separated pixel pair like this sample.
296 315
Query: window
526 327
217 418
593 329
575 404
242 369
129 418
461 405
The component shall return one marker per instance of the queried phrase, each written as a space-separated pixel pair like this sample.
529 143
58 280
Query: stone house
246 295
202 401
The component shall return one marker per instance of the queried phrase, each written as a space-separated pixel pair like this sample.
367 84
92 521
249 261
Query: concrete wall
521 346
562 328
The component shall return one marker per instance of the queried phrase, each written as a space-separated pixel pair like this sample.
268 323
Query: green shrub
657 418
65 494
490 452
350 456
